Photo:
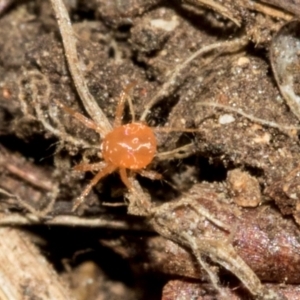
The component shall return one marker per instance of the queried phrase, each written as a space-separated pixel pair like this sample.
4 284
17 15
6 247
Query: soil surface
240 166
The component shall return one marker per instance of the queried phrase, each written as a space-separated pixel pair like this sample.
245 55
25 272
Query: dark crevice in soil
38 148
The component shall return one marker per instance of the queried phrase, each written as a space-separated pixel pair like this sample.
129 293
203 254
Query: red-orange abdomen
130 146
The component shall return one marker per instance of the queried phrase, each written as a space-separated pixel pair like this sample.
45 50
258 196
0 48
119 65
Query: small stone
164 24
243 61
226 119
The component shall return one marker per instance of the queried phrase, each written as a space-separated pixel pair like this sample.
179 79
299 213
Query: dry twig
24 272
68 38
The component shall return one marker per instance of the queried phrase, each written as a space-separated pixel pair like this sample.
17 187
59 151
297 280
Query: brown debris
266 242
88 282
24 271
199 64
184 290
245 188
286 193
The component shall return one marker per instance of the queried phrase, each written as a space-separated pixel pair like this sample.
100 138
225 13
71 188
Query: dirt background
247 166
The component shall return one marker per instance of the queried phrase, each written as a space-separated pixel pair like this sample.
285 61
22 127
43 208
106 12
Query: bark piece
24 272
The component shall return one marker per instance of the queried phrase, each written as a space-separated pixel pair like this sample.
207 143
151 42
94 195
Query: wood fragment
68 39
24 272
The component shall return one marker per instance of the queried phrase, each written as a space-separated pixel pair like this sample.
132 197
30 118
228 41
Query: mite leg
124 178
81 118
83 167
102 173
121 104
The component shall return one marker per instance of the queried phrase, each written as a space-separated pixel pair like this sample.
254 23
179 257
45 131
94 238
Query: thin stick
290 6
268 10
250 117
230 46
212 276
232 109
37 78
68 39
219 8
37 214
13 219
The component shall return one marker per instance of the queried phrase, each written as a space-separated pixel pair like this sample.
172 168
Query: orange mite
131 146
